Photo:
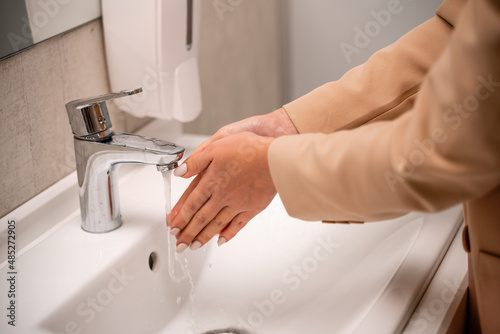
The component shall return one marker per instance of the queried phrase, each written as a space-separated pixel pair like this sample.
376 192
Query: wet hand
233 184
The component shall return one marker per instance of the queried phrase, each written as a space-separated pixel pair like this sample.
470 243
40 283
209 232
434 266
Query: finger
223 218
234 227
194 202
195 165
200 219
221 133
177 207
204 145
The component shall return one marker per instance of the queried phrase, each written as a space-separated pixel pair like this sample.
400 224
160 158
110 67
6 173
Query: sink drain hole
153 261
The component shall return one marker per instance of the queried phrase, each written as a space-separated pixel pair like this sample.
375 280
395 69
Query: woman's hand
232 186
274 124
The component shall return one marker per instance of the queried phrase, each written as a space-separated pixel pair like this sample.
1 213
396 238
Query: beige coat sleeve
446 150
377 90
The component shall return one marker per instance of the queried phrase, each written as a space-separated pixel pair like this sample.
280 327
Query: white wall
321 42
239 61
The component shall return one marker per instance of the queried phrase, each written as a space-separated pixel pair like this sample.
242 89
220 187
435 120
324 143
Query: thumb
194 165
221 133
202 146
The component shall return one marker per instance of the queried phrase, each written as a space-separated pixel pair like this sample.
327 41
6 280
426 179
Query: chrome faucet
100 152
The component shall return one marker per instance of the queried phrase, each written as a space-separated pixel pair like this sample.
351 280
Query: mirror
24 23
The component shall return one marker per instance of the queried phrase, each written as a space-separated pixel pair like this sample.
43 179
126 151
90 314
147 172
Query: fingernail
221 241
195 245
175 231
181 170
181 248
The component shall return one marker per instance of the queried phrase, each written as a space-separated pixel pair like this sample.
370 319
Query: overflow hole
153 261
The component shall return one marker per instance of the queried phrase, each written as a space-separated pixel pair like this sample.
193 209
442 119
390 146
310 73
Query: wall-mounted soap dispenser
154 44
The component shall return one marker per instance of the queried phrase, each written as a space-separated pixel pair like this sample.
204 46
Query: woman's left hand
233 184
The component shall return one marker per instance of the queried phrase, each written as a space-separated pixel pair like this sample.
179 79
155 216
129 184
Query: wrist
264 152
281 123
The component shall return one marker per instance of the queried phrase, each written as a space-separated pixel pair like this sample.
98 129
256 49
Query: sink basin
279 275
283 275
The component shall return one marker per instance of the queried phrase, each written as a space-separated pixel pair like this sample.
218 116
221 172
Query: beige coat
415 128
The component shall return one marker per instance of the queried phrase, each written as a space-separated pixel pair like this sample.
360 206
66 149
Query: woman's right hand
274 124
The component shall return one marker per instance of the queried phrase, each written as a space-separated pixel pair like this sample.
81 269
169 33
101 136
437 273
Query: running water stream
178 266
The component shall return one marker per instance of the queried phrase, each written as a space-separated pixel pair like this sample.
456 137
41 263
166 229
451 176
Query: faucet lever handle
89 117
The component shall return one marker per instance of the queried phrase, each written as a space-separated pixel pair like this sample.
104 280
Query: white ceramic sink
287 276
279 275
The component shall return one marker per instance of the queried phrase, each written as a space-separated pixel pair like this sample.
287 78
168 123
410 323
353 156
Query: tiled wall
240 73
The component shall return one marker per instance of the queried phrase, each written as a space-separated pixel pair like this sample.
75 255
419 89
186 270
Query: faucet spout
98 163
99 153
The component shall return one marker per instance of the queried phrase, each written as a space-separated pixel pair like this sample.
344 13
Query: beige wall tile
49 132
16 160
